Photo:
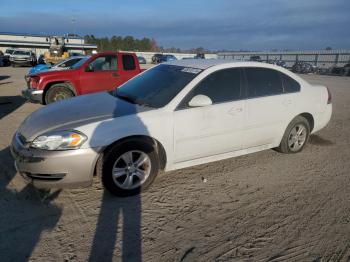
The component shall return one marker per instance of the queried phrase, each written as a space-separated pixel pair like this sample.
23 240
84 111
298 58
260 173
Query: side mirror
89 69
200 101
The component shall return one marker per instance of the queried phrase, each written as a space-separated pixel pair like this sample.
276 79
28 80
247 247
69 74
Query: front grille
47 177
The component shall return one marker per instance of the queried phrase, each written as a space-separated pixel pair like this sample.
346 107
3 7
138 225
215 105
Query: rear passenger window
221 86
289 84
263 82
128 62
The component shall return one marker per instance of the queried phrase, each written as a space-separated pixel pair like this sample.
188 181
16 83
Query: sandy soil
261 207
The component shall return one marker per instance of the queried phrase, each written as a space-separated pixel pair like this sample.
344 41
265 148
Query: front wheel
58 92
129 168
295 136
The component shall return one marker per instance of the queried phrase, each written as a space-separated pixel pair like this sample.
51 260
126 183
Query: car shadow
8 104
4 77
118 213
4 83
25 215
317 140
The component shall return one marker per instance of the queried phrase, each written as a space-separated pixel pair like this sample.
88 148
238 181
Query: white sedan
174 115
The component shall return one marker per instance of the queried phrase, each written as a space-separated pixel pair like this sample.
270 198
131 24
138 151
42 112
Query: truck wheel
295 136
129 168
58 92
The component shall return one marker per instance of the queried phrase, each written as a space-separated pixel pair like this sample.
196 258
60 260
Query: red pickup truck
100 72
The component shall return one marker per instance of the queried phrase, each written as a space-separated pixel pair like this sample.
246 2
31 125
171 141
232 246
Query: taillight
329 100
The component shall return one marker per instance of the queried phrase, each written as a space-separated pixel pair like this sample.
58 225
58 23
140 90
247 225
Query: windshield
9 51
157 86
80 63
21 53
68 62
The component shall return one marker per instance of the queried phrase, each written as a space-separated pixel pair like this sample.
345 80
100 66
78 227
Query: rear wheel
58 92
129 168
295 136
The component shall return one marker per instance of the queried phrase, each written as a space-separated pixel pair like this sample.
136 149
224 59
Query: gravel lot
261 207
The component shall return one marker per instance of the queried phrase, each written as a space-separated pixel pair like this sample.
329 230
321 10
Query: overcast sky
219 24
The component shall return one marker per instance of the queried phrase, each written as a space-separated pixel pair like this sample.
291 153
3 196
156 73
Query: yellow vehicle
57 51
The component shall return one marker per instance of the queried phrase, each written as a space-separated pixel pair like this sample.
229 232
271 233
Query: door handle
115 74
234 110
287 102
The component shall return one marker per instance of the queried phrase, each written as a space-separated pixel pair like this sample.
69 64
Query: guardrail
321 58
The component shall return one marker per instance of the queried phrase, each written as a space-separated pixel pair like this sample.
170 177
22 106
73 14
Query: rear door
215 129
268 108
101 74
129 67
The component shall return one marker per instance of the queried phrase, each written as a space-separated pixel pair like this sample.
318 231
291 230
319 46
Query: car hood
38 68
54 72
74 112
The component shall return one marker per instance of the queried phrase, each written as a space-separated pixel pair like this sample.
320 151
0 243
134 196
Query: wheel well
310 119
158 146
48 86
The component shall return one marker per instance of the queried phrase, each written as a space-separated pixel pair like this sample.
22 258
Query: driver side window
221 86
104 63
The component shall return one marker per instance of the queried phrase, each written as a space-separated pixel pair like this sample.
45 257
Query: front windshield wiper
132 100
143 103
126 98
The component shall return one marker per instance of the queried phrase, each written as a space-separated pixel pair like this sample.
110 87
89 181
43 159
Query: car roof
206 63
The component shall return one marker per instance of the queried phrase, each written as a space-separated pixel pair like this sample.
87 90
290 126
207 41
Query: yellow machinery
57 51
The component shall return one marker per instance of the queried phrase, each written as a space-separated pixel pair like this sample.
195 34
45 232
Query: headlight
61 140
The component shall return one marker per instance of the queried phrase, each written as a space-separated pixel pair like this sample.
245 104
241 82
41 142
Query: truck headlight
61 140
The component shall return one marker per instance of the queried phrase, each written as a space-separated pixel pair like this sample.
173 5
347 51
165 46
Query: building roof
44 44
37 35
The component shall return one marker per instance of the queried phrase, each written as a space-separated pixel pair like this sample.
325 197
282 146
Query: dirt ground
262 207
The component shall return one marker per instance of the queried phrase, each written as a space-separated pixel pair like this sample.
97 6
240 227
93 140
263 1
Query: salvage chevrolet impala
174 115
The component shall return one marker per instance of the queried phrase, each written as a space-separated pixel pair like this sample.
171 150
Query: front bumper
22 62
54 169
33 95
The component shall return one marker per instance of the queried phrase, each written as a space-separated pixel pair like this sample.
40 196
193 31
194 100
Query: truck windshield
157 86
80 63
21 53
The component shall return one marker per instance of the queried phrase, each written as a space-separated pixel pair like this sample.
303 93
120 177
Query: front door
100 75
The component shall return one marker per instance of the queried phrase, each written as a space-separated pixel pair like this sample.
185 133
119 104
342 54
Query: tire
292 142
58 92
113 160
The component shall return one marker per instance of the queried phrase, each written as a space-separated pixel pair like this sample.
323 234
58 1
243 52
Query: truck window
104 63
128 62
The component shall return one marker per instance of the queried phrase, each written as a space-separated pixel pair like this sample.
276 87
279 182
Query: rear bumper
54 169
322 119
33 95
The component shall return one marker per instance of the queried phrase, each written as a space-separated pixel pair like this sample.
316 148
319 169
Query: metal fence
322 58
